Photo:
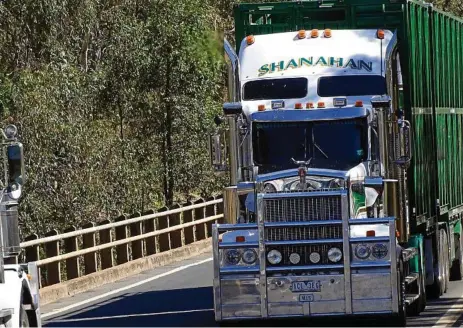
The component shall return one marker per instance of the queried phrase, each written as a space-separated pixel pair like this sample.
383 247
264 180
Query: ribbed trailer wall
436 54
431 47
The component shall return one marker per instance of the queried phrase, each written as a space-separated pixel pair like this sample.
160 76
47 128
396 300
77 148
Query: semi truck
343 141
19 283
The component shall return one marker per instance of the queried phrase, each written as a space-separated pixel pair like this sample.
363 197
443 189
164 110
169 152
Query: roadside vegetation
114 100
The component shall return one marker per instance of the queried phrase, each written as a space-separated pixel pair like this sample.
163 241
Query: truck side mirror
404 157
15 161
218 152
232 109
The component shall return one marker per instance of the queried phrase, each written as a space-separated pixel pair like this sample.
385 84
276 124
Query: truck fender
14 292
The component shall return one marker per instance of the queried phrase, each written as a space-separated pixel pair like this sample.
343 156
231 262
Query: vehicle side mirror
218 152
15 162
374 187
232 109
404 157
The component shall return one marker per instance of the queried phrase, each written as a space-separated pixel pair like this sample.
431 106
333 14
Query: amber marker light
321 104
314 33
371 233
301 34
309 105
298 106
327 33
380 34
359 103
250 40
261 108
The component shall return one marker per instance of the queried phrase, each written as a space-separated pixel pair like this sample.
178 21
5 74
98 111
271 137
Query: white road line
451 316
96 298
130 315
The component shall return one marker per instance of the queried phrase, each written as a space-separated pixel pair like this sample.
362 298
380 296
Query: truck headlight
274 257
249 256
334 254
233 256
362 251
380 251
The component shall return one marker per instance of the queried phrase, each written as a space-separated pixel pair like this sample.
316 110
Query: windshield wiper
321 151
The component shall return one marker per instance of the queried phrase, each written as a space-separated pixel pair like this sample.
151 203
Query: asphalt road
181 295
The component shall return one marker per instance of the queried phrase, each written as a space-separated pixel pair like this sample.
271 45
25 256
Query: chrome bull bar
260 274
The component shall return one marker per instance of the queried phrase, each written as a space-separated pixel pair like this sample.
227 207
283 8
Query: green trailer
418 121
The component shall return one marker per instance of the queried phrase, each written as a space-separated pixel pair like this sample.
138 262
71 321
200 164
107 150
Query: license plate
305 286
306 298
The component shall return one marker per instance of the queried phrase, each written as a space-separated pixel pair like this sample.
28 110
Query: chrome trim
371 264
368 239
301 224
234 85
390 51
346 253
294 173
293 115
394 282
235 227
262 252
304 194
216 265
305 268
239 269
239 245
386 220
303 242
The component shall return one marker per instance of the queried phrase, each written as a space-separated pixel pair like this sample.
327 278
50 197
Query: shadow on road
192 307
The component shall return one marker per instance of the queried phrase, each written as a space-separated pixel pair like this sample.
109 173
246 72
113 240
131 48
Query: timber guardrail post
136 229
122 251
72 265
150 242
189 231
200 213
175 236
107 258
163 223
53 269
210 211
89 241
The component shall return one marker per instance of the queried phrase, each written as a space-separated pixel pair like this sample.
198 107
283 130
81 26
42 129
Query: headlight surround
334 255
249 256
380 251
371 251
274 257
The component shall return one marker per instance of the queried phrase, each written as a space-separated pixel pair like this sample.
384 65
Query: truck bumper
238 298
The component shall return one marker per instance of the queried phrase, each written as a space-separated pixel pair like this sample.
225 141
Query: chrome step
411 298
409 253
411 278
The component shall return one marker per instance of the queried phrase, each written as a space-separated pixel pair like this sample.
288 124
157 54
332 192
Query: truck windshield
351 85
337 145
276 89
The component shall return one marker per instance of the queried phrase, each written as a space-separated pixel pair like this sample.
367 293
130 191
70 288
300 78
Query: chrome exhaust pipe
234 89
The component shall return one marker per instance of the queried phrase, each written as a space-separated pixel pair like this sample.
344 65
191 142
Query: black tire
456 271
436 290
400 319
23 318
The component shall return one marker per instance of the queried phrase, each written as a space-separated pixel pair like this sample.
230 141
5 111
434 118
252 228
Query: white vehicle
19 283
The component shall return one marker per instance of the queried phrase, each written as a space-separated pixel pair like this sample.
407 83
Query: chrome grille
304 252
304 233
302 209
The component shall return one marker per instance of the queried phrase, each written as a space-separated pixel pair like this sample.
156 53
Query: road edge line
76 286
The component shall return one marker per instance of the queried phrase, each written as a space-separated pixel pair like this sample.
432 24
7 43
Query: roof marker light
240 239
314 33
261 108
321 104
309 105
298 106
327 33
359 103
301 34
250 40
380 34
